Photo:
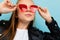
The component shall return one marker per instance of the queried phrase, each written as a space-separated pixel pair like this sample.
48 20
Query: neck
22 25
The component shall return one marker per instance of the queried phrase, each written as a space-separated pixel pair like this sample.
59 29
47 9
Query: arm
50 22
54 28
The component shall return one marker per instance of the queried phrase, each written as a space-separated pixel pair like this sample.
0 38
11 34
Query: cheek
33 16
20 15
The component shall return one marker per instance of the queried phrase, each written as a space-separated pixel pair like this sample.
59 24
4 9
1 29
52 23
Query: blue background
53 7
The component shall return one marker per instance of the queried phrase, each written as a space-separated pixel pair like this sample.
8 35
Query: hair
9 33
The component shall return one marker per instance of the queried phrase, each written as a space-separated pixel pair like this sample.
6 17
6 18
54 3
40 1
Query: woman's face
25 10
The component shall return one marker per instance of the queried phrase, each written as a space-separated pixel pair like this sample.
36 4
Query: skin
6 7
23 19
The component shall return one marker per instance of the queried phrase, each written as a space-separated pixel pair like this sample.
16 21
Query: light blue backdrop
53 7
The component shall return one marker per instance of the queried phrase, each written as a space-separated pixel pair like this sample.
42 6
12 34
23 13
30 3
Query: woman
22 20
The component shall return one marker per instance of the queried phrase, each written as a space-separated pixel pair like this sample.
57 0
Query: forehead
28 3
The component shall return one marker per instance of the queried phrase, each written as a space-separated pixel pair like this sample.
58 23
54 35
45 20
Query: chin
29 20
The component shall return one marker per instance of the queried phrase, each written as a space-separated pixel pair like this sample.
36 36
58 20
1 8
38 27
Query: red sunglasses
24 7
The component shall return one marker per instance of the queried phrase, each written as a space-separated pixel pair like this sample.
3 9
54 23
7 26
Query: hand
45 14
6 6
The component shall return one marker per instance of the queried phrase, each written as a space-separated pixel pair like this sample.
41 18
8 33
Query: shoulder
36 32
41 35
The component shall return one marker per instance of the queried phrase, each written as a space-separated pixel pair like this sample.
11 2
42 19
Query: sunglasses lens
23 7
33 8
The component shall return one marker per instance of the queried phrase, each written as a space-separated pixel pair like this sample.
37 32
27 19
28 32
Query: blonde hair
12 27
10 32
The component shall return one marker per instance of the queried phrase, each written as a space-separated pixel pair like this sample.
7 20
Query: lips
28 15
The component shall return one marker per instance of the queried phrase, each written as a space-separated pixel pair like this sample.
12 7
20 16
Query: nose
28 9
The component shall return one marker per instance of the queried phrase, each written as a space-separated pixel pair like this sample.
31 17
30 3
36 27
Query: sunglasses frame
26 7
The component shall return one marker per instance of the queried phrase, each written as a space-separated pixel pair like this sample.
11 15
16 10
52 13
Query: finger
43 9
13 9
9 10
46 10
8 3
40 10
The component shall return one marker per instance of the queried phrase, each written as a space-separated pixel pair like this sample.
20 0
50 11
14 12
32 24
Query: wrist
49 20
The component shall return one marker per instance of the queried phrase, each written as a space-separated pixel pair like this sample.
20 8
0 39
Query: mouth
28 15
